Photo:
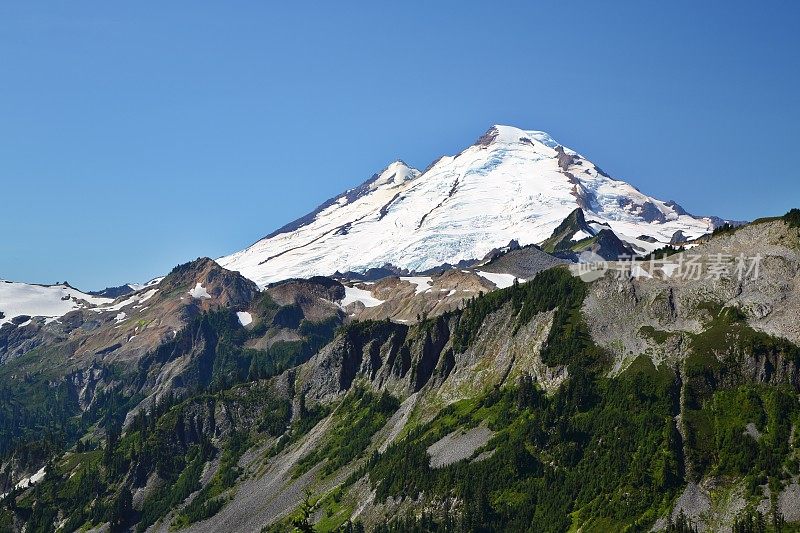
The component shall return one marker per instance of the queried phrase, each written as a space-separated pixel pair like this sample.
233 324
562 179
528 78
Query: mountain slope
511 184
551 405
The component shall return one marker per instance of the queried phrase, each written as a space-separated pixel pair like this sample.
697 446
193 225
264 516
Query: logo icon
590 266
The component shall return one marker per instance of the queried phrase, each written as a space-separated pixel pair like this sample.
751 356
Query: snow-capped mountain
49 301
511 184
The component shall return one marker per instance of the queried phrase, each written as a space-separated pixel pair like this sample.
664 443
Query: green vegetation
560 240
722 397
656 334
552 289
792 218
724 229
39 408
282 355
663 252
606 449
93 485
210 499
357 418
167 497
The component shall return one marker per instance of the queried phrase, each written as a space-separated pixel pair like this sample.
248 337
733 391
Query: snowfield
501 280
421 283
354 294
51 301
513 184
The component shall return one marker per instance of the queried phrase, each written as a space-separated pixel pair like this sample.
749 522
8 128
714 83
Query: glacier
512 184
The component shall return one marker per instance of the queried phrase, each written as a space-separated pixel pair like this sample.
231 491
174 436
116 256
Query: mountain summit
512 184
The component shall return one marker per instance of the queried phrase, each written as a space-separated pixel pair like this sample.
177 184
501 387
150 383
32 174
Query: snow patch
140 286
421 283
24 483
501 280
580 235
354 294
199 292
245 318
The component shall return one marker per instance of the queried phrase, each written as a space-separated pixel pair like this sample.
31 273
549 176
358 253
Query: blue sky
137 136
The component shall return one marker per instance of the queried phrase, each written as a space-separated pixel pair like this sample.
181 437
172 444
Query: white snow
140 286
597 228
501 280
24 483
199 292
51 301
120 316
354 294
245 318
421 283
134 298
459 209
580 235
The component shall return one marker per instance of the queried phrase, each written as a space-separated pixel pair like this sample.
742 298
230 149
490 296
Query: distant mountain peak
512 184
501 134
396 172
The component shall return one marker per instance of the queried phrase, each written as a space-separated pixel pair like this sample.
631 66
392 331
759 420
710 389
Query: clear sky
138 135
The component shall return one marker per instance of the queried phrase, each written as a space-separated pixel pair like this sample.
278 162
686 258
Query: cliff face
755 270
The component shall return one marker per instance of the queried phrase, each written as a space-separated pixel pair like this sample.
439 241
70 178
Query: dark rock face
389 354
313 299
495 253
428 354
564 159
113 292
562 238
464 263
20 319
318 286
15 340
604 243
583 197
487 138
677 208
372 274
523 262
648 211
651 213
610 247
601 172
678 237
